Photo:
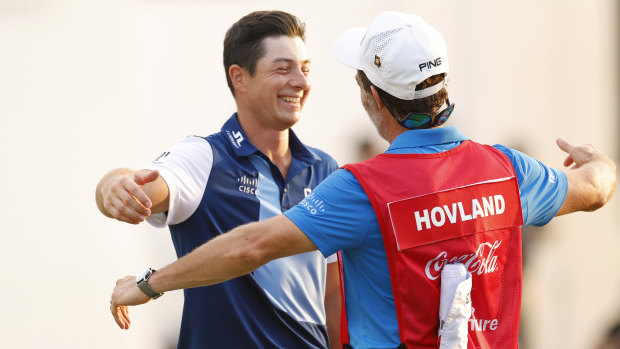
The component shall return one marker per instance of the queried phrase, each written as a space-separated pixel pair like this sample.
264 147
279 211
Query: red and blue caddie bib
459 206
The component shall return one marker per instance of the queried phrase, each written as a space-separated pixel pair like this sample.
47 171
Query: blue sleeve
336 215
543 189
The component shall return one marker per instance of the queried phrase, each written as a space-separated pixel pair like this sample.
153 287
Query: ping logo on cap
378 61
430 64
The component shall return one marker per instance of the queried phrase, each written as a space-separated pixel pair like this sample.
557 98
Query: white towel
454 306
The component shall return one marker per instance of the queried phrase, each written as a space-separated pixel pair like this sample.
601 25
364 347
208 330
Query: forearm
225 257
233 254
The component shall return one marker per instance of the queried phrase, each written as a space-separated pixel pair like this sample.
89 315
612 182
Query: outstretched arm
591 181
229 255
130 196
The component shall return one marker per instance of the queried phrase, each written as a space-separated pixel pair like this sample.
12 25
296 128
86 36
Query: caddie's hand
125 293
578 155
124 197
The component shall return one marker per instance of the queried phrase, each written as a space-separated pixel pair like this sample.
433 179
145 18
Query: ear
375 96
238 76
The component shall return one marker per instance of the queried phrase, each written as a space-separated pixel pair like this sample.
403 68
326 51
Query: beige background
86 86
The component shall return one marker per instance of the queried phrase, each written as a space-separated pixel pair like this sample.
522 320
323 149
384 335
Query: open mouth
292 100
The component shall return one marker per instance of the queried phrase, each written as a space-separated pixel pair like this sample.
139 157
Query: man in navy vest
435 211
253 169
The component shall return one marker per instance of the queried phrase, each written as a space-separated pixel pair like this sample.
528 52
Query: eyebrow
288 60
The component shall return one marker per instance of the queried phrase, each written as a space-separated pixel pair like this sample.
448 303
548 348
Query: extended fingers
141 199
120 313
123 201
133 196
125 313
578 155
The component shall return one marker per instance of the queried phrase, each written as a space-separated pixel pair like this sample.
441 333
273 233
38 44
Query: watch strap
143 285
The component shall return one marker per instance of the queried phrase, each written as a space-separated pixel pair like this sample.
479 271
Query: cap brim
347 47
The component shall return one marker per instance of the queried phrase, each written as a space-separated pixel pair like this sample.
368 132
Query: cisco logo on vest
248 185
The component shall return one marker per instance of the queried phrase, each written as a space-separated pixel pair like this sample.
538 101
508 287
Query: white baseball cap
396 52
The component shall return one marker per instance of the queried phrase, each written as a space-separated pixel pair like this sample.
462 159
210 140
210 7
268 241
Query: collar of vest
243 147
427 137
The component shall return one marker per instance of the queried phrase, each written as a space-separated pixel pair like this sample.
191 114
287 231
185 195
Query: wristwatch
141 282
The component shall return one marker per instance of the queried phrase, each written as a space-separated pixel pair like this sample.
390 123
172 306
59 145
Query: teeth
295 100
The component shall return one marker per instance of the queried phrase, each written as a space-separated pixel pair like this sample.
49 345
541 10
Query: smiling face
279 87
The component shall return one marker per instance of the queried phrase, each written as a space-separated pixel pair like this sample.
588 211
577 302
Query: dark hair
402 107
243 43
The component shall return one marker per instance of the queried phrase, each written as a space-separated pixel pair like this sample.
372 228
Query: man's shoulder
219 141
324 158
186 148
518 159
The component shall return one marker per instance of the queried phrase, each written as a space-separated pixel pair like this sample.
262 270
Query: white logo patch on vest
235 138
455 212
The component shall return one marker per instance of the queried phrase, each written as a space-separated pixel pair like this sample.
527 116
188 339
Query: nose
300 80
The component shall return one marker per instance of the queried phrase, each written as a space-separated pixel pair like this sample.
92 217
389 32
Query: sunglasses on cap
415 121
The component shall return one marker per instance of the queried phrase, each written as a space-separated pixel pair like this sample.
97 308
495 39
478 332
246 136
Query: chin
290 121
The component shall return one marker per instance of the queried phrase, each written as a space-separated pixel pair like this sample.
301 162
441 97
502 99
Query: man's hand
579 154
591 179
125 293
120 195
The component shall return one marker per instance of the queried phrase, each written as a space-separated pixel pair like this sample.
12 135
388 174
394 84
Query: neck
390 128
271 142
392 136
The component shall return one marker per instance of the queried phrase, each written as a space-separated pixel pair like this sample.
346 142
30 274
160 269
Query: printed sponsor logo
490 206
307 191
235 138
483 261
248 185
162 155
480 324
551 176
430 64
313 204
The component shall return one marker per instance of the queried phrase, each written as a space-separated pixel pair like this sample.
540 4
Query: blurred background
87 86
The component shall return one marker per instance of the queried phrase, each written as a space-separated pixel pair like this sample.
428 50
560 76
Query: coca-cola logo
483 261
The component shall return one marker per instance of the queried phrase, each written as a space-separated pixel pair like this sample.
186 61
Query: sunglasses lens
441 120
414 121
444 115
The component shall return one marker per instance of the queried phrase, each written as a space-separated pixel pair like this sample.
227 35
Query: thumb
146 177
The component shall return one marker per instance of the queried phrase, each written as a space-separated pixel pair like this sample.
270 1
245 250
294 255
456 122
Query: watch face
141 282
145 275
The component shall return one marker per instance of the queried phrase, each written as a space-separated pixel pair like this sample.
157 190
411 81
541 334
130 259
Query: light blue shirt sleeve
336 215
543 189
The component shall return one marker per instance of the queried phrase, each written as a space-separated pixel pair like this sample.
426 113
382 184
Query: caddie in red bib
440 216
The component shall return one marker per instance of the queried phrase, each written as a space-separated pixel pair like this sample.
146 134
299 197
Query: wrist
144 286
